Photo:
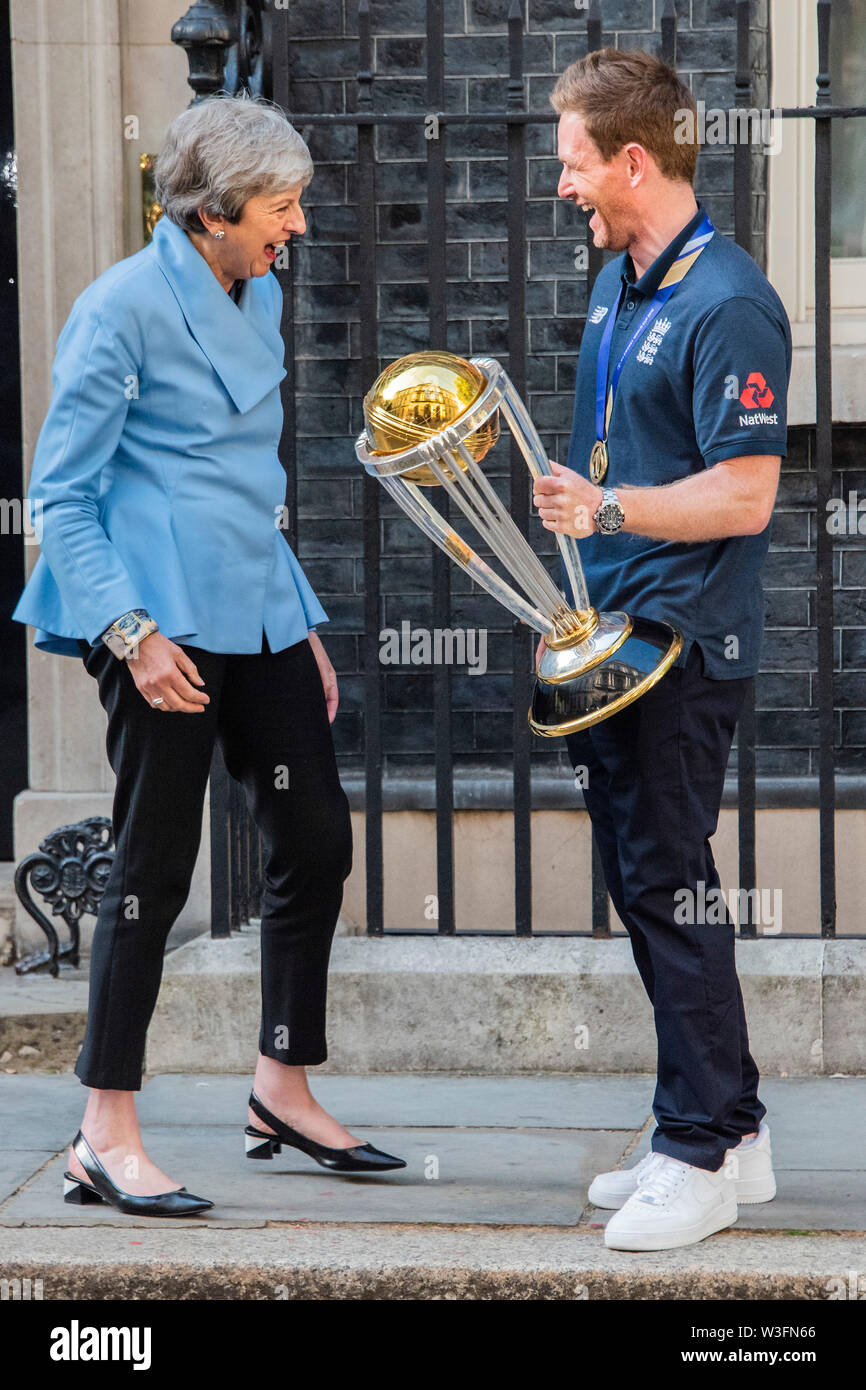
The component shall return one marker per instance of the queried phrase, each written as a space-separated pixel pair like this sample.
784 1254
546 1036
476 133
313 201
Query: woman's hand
567 502
160 669
328 674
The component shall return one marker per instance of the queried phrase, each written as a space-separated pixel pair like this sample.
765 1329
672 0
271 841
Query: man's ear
637 161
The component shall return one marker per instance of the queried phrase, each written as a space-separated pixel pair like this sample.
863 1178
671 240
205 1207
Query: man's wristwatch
610 515
123 636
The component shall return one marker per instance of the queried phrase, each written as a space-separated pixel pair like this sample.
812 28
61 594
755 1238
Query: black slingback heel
102 1189
362 1158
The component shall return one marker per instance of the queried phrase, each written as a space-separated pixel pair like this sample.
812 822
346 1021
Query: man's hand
160 668
328 674
731 498
567 502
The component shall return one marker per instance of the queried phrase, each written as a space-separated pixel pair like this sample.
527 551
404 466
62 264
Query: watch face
610 517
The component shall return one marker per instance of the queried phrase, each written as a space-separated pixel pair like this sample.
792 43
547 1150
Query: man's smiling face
600 188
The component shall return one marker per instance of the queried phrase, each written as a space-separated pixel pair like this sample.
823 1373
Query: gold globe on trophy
431 418
416 397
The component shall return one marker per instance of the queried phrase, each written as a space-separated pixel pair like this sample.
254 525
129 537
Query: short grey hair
223 151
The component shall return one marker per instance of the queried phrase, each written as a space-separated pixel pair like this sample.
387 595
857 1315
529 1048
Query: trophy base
606 675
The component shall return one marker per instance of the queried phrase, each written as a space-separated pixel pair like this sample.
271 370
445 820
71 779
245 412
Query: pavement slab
543 1102
502 1177
17 1166
41 1112
510 1153
817 1122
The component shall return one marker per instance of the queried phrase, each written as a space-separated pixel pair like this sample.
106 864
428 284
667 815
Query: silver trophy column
577 681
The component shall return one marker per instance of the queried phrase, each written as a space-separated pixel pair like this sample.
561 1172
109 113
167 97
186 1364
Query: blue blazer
156 469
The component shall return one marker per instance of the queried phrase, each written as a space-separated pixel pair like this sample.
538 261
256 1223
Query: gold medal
598 461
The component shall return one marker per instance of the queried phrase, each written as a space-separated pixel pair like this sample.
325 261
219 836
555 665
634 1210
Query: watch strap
124 635
609 499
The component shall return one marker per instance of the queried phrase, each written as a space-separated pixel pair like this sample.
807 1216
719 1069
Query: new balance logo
598 313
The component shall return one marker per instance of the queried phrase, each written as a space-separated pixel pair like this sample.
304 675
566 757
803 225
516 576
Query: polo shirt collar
241 341
654 274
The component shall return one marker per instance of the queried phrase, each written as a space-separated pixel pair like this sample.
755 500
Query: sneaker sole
716 1221
751 1191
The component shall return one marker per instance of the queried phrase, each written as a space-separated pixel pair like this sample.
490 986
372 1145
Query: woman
164 568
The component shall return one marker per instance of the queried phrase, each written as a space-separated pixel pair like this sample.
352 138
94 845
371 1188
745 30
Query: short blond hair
630 96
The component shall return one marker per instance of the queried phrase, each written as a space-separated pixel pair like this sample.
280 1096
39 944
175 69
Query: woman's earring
219 235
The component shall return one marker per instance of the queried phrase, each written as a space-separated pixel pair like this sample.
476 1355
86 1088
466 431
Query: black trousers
267 712
654 780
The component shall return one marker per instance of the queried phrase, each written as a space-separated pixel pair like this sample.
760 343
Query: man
680 401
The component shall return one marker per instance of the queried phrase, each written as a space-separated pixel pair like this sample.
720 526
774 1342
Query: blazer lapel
241 342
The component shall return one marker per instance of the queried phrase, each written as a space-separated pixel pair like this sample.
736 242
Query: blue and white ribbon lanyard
604 394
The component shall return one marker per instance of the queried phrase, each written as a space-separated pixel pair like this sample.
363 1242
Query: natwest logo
756 394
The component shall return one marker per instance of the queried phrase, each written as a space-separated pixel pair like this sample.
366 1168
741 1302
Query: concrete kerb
503 1006
412 1262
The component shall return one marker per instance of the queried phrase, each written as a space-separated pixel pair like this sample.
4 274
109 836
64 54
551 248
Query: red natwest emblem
756 393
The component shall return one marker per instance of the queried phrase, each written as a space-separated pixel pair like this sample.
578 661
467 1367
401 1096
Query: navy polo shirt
707 380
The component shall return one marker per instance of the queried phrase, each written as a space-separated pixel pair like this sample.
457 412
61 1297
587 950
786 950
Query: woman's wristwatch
124 635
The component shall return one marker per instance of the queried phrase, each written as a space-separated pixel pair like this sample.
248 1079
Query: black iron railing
262 63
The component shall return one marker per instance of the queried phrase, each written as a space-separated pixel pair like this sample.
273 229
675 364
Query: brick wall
786 688
324 60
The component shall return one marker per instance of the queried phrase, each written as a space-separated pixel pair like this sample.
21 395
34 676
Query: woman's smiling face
249 246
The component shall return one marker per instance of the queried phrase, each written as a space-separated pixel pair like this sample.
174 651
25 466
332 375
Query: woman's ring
158 701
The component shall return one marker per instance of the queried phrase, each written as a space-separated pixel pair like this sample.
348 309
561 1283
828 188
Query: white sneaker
612 1190
749 1163
676 1204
